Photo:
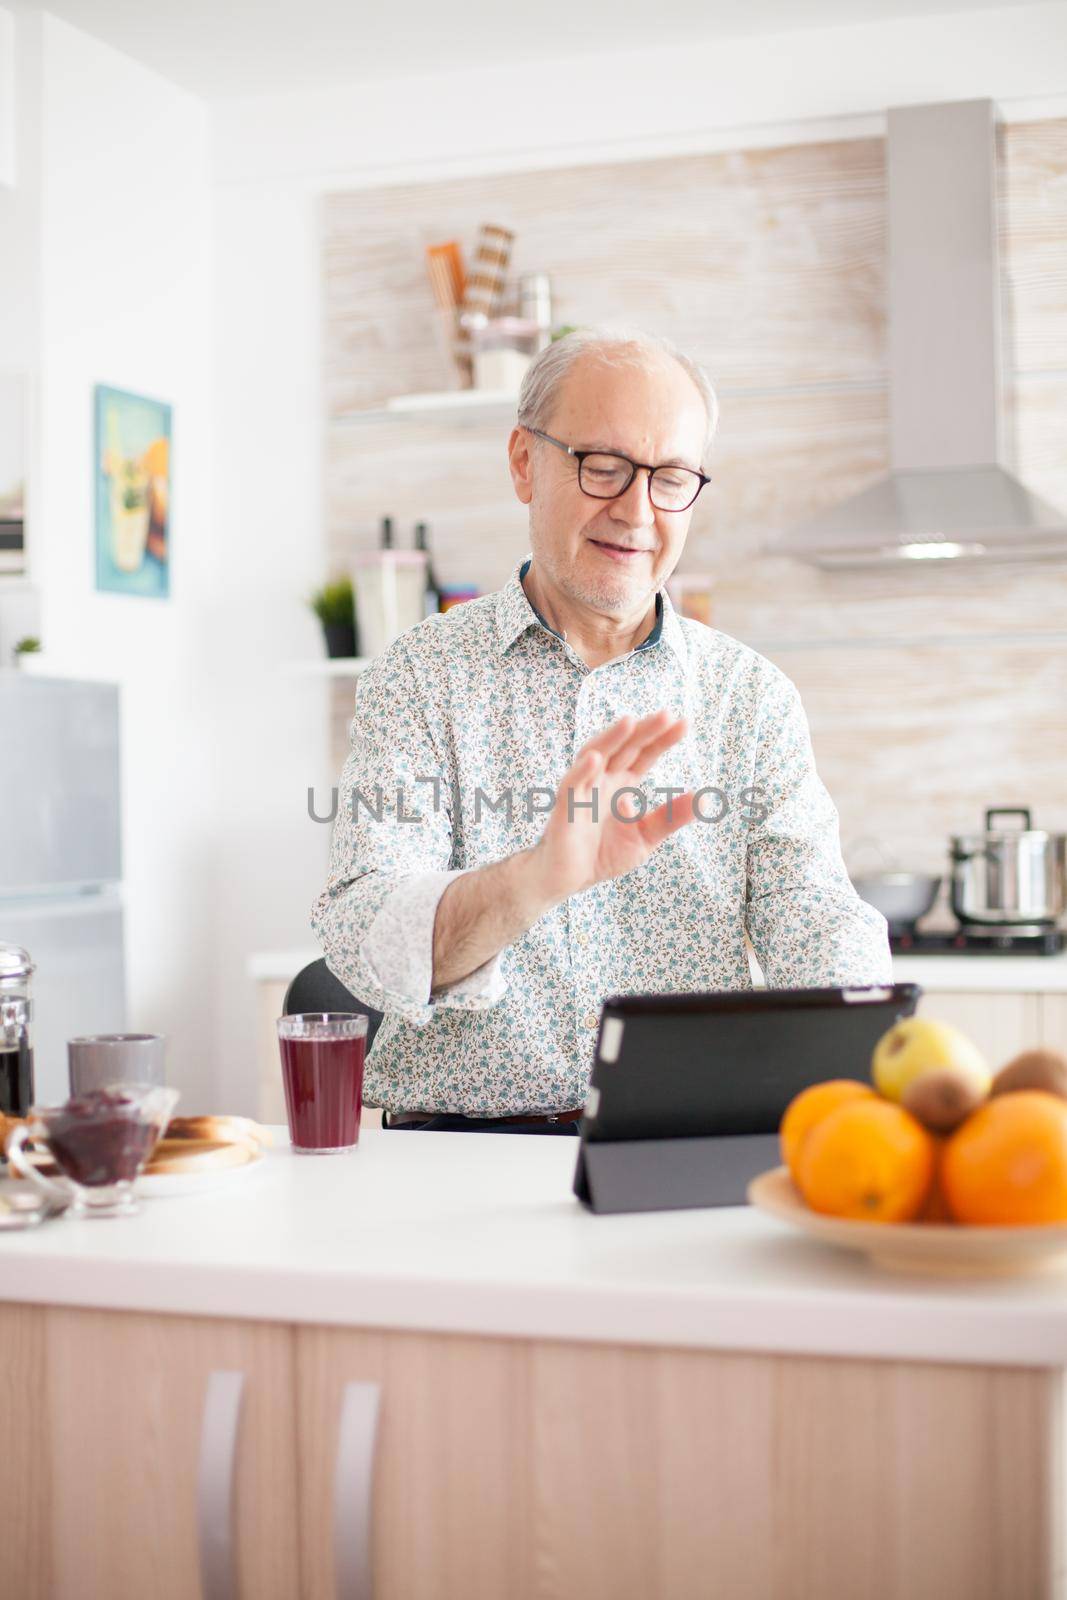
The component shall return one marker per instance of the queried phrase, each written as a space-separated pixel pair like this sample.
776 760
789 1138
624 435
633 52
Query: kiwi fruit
1033 1069
941 1100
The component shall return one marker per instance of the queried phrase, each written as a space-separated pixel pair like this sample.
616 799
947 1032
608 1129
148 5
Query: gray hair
613 346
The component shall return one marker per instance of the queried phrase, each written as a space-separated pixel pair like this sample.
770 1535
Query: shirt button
590 1019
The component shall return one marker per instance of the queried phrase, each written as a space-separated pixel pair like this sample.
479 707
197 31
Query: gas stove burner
1027 941
986 932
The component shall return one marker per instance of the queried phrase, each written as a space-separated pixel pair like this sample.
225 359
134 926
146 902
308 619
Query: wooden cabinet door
119 1418
24 1467
518 1470
1053 1022
451 1515
1000 1024
694 1475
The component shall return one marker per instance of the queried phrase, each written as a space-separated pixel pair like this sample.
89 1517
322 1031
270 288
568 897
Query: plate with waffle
202 1153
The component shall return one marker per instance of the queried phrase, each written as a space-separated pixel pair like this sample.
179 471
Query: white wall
106 275
730 92
125 299
20 190
272 724
7 98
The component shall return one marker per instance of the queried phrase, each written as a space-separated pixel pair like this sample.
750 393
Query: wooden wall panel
915 743
768 264
931 692
1033 190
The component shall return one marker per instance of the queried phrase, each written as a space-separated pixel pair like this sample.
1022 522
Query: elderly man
564 790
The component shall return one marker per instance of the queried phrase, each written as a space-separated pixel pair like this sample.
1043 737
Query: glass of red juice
322 1072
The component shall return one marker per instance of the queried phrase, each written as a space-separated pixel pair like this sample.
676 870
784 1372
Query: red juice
323 1081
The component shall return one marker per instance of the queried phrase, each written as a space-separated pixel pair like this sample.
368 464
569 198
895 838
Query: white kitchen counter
996 974
1003 974
481 1234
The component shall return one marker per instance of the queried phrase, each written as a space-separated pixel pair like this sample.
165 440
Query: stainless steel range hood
947 494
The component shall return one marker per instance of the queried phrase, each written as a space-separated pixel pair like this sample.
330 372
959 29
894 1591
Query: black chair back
315 988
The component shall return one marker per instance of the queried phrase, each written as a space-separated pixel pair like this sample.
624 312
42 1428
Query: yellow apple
917 1046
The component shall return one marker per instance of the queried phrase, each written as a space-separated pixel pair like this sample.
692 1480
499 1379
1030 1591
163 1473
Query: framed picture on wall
132 467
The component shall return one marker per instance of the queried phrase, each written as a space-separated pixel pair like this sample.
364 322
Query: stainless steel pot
1009 877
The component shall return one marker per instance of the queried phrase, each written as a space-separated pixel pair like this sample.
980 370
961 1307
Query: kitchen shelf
452 405
331 667
35 665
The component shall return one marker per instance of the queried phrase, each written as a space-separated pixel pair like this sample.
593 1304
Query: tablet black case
687 1091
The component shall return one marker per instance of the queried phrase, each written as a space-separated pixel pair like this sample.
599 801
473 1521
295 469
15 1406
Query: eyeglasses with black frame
604 476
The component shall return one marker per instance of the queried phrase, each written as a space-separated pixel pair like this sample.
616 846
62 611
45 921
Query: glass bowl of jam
100 1141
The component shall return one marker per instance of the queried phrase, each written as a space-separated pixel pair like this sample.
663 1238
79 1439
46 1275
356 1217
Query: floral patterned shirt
462 731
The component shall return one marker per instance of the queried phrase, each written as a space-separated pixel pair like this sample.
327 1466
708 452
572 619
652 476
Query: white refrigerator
61 860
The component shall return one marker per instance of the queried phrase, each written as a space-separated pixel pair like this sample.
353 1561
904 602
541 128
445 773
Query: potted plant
335 606
29 646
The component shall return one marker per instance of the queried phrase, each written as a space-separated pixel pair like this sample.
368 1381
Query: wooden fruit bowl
943 1249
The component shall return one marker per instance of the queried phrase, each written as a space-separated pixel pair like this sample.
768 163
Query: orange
869 1160
809 1107
935 1207
1007 1164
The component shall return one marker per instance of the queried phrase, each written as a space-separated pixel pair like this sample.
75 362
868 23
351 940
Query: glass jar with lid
16 1031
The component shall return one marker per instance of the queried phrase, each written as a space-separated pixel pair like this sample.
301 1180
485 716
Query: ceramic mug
101 1058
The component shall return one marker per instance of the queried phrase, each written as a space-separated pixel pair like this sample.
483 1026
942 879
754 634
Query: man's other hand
580 847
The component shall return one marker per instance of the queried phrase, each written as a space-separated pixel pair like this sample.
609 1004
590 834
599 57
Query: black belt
398 1119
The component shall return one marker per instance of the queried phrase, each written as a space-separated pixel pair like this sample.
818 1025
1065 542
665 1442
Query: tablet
673 1072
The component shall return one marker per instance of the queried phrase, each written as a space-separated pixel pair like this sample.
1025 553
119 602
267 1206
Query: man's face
653 414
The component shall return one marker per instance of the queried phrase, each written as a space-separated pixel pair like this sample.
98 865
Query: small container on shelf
535 306
693 595
456 594
444 264
502 350
499 367
390 589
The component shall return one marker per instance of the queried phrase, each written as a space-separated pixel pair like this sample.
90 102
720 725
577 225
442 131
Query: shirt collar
515 614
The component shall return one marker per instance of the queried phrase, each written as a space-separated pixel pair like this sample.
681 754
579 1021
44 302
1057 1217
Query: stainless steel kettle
1009 878
16 1037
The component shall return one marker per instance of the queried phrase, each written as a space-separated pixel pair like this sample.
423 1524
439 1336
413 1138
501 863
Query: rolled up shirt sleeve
390 858
808 926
